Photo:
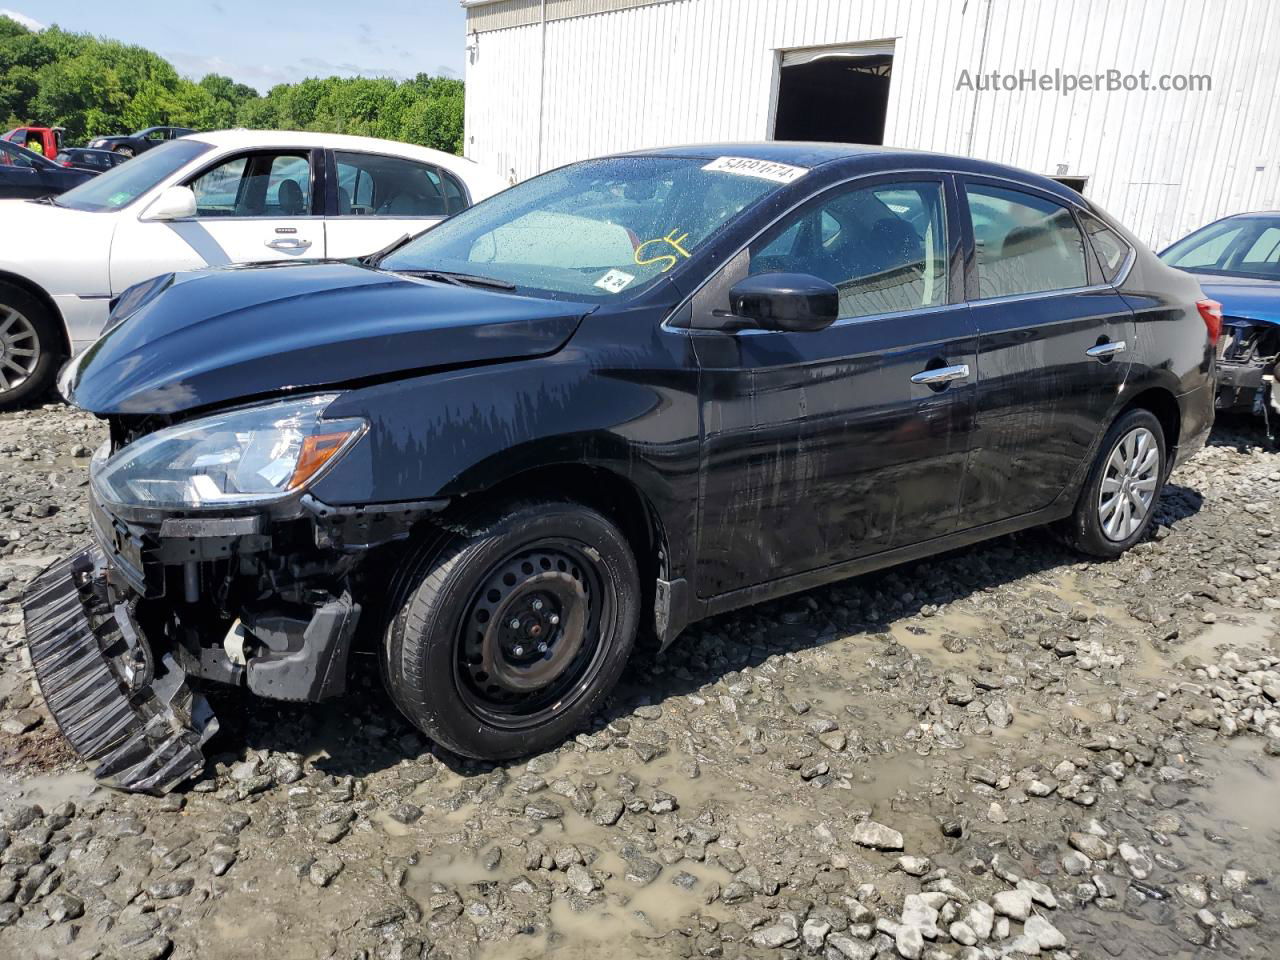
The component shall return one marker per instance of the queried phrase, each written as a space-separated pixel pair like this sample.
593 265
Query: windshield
120 186
595 230
1240 247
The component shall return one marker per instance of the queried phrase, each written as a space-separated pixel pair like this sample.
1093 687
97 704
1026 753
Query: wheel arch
39 293
1164 406
611 493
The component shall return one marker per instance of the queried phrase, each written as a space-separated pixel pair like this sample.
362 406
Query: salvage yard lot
1006 747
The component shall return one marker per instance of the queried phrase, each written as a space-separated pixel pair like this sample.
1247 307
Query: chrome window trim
906 174
1041 294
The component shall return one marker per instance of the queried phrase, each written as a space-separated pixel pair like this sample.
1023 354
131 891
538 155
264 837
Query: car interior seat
289 198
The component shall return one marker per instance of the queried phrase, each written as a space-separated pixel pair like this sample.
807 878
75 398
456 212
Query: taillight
1211 313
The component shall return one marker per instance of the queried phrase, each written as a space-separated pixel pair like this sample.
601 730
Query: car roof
1253 215
233 139
860 157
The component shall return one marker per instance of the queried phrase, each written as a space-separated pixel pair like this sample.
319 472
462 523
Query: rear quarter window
1110 248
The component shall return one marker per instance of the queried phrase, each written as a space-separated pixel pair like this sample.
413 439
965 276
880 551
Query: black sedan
140 141
613 400
27 174
95 161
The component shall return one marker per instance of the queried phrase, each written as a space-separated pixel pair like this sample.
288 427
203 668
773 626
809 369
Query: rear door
251 207
827 446
376 198
1054 341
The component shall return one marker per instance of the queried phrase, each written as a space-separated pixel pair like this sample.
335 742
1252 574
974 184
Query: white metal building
551 81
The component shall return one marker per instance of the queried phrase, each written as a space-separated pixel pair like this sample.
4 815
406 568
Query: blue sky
263 43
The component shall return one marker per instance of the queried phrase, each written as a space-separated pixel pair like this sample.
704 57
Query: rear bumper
128 712
1197 412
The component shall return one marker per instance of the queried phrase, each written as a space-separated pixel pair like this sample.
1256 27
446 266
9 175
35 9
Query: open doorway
839 94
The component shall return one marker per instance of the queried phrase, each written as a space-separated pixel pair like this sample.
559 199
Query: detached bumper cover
131 714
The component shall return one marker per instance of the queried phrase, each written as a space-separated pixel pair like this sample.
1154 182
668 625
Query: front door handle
288 243
1105 351
942 374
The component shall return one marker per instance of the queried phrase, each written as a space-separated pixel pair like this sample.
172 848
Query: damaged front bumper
117 630
132 715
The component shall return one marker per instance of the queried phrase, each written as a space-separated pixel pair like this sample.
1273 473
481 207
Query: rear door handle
1105 350
942 374
288 243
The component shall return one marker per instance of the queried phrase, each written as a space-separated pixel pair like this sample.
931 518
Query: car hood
217 336
1244 297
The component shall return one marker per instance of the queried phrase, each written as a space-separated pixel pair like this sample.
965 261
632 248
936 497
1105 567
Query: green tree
94 86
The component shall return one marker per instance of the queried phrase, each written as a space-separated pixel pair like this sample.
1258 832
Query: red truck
45 140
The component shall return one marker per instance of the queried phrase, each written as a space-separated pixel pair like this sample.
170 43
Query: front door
250 208
828 446
1053 351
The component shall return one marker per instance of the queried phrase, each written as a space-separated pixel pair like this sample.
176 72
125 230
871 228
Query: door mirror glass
175 203
790 302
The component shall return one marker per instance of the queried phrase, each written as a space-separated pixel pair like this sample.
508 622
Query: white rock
815 933
918 913
979 919
910 942
1040 893
877 836
1015 904
1044 933
838 945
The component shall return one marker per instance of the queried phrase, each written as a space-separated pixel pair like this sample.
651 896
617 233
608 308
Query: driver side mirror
175 203
789 302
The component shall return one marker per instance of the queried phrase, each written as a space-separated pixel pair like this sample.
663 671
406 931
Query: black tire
1094 530
454 661
52 353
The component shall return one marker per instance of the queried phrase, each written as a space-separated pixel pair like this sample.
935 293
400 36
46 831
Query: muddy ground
1006 751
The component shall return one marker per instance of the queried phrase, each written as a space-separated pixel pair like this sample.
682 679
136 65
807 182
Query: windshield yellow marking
670 258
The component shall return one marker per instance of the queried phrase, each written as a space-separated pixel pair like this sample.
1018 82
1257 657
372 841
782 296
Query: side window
374 185
255 185
455 197
1110 247
1264 251
12 158
884 247
1025 244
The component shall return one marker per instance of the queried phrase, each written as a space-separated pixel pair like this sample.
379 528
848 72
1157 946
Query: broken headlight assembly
243 457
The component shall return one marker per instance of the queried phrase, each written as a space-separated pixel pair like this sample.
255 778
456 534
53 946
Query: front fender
631 412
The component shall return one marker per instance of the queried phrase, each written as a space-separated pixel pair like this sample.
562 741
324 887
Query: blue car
1239 260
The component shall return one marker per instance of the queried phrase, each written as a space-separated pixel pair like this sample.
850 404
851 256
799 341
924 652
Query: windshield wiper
459 279
371 259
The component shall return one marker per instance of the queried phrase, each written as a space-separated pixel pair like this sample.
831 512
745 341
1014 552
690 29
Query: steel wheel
531 633
1129 484
19 348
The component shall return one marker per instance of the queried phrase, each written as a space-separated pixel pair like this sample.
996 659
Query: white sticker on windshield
764 169
615 281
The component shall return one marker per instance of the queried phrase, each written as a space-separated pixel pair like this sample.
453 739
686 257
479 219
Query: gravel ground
1006 751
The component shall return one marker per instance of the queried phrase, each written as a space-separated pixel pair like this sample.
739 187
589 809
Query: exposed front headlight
238 458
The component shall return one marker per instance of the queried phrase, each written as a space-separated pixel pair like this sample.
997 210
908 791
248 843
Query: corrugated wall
704 70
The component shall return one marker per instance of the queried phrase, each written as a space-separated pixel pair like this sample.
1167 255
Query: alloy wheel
19 349
1129 484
